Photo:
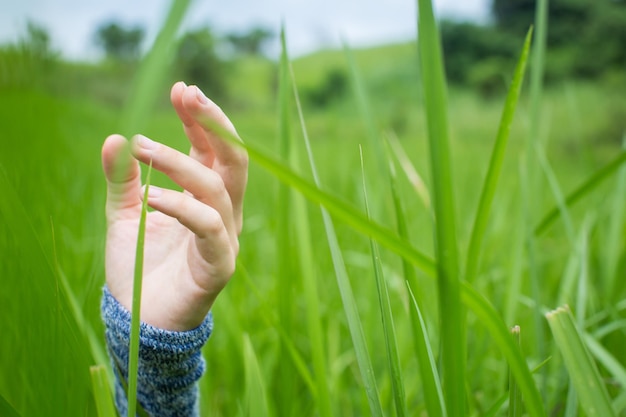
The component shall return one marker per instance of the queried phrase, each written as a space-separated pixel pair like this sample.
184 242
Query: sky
310 24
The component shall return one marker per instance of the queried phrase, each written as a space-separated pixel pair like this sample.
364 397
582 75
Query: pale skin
191 241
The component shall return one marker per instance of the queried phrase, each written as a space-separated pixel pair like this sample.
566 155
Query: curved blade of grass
581 191
491 319
591 391
495 164
101 391
133 353
338 208
433 395
391 344
345 290
452 316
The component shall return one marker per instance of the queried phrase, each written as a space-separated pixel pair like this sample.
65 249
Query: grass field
264 356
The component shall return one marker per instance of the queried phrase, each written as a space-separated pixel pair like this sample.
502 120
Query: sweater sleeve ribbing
170 363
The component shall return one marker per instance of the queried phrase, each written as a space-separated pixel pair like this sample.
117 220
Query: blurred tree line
586 39
202 58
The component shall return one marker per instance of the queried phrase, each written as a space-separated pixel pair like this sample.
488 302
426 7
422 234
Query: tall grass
330 311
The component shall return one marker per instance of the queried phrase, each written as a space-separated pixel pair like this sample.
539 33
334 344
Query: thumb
123 179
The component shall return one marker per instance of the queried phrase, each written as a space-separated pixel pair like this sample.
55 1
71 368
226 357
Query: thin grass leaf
531 186
490 318
286 269
615 227
495 164
305 251
452 316
153 70
409 170
581 191
102 391
495 408
608 361
133 353
590 389
557 193
433 395
365 111
314 324
255 398
6 409
338 208
516 406
391 344
347 297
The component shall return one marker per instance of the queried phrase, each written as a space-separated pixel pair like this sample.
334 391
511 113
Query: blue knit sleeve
170 363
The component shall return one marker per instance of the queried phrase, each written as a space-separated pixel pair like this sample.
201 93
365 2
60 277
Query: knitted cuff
169 365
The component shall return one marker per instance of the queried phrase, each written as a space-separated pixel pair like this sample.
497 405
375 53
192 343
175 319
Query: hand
191 240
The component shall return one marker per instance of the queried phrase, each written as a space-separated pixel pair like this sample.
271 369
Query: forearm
170 363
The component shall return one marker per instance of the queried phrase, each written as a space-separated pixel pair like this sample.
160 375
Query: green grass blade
581 191
584 374
558 194
338 208
409 170
304 247
347 297
452 316
255 398
153 70
515 396
495 408
433 395
133 355
495 164
365 111
610 363
490 318
6 409
102 391
286 269
391 344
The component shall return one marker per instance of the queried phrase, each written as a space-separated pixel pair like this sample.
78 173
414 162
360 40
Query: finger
201 148
123 179
214 244
205 184
230 161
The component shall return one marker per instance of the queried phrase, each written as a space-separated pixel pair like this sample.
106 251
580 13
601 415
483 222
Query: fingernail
201 97
146 143
154 191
